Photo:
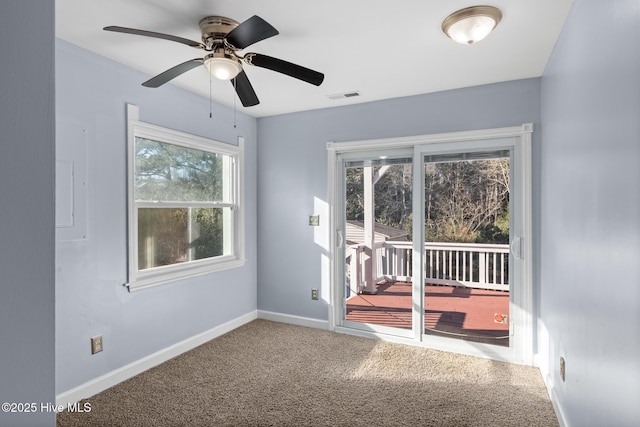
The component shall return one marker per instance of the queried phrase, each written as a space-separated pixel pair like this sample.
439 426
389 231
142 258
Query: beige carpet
272 374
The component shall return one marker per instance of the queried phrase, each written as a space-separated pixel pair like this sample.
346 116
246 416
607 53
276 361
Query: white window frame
234 240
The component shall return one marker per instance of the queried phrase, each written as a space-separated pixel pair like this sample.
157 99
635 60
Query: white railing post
464 265
356 268
482 278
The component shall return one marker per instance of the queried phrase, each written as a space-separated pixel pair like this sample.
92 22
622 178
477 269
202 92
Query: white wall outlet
96 344
314 220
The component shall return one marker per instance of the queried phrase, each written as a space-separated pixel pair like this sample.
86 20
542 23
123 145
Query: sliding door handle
516 247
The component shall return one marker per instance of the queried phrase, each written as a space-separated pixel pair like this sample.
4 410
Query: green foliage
209 242
355 194
465 201
166 236
496 232
170 172
392 196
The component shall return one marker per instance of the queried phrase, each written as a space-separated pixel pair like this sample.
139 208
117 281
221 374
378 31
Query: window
185 216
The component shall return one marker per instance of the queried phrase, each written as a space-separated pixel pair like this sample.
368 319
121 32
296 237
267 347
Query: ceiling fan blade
250 31
154 34
172 73
244 90
284 67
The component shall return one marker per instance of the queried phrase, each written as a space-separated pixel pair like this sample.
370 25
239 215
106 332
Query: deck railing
484 266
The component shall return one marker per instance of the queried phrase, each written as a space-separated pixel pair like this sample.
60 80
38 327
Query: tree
465 201
392 196
463 197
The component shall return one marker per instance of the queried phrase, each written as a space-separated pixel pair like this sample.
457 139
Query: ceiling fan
223 38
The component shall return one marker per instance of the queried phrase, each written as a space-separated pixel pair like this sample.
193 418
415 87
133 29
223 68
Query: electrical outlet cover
96 344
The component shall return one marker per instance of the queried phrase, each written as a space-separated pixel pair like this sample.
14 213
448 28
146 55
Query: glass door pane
466 252
377 228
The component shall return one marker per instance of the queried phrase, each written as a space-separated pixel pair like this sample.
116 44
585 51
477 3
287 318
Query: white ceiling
379 48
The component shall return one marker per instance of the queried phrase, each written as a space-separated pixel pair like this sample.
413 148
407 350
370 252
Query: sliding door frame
521 350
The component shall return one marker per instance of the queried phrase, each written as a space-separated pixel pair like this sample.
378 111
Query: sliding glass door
430 240
466 249
375 219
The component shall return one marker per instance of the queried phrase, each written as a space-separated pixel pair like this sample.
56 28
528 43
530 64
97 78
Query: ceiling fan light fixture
471 24
222 66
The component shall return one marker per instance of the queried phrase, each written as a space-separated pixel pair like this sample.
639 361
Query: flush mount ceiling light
471 24
222 65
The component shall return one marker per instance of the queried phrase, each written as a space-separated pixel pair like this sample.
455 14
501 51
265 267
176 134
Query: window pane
175 235
168 172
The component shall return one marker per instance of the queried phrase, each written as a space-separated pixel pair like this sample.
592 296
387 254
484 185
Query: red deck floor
463 313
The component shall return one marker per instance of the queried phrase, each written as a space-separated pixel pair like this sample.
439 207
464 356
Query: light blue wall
92 93
27 159
590 214
292 173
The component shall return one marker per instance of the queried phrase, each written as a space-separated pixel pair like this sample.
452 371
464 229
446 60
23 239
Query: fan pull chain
235 100
210 107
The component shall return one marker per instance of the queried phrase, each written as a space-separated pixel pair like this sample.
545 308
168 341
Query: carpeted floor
272 374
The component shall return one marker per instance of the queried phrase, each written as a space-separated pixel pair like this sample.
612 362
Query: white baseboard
294 320
554 401
97 385
536 361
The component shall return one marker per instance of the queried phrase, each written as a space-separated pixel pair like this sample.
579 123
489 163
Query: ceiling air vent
344 95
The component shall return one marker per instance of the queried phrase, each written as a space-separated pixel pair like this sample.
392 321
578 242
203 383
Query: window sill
181 272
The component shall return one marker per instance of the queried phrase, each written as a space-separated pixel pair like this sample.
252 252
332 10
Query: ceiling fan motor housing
215 29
